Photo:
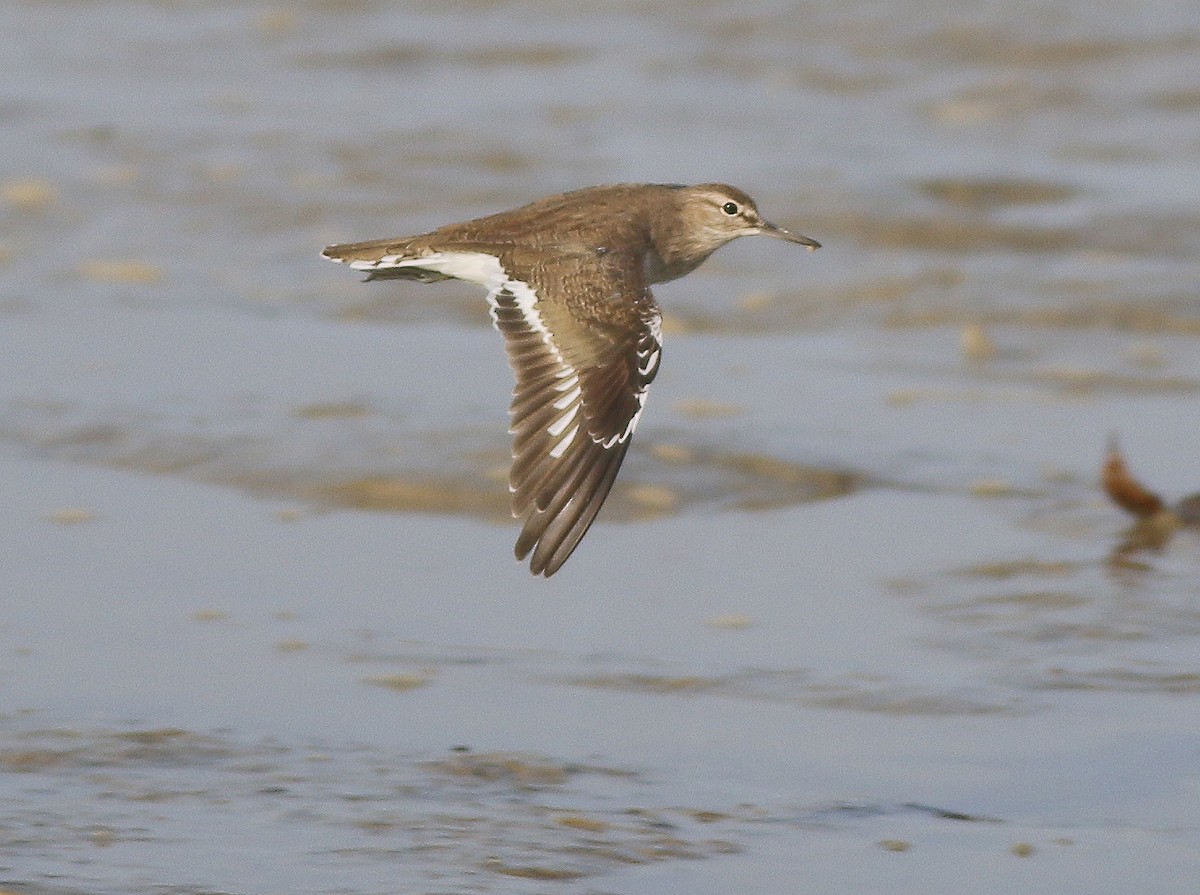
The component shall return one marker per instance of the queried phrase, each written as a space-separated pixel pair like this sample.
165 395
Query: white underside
486 270
474 267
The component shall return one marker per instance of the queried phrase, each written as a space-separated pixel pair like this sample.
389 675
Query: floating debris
29 195
1146 355
582 822
1123 489
71 516
702 408
994 192
977 346
122 271
399 682
991 488
1156 521
322 410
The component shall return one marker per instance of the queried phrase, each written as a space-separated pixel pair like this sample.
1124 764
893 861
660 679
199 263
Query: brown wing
583 362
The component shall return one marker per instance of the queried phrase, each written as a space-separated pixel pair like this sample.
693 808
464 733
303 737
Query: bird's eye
730 208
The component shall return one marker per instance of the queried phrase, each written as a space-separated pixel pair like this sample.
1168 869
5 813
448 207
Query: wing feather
581 381
583 338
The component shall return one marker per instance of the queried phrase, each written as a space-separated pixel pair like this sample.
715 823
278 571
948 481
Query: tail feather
371 250
385 253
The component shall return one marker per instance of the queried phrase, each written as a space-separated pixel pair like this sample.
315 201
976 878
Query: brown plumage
568 281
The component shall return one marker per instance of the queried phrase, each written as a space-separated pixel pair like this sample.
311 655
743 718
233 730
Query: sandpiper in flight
568 280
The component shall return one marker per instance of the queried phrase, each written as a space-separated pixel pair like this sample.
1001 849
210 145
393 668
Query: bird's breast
658 269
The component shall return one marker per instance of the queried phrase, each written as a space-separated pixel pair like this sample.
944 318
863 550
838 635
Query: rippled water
857 617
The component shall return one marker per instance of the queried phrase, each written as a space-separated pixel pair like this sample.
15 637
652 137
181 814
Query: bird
568 282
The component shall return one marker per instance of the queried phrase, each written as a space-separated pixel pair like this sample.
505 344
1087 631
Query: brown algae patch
468 472
122 271
769 482
71 516
959 230
879 696
976 345
583 822
427 494
653 499
529 871
901 702
1185 100
813 307
1122 680
332 410
993 192
683 477
28 195
62 750
671 453
956 234
1037 600
1011 568
1048 384
1145 354
1082 380
702 408
1170 315
992 488
517 769
406 55
400 682
1010 49
651 683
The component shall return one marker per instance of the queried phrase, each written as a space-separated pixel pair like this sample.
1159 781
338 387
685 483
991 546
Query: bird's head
706 217
723 213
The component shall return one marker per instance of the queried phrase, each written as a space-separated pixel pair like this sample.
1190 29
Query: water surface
856 618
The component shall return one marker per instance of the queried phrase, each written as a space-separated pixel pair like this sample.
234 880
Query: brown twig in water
1123 489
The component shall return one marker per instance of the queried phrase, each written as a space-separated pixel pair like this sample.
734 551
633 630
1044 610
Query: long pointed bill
769 229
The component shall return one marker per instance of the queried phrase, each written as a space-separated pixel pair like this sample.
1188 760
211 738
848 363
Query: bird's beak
769 229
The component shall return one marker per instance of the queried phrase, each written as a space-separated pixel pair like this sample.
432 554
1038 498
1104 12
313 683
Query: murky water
857 617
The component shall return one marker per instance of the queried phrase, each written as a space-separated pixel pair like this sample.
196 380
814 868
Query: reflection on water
494 817
491 815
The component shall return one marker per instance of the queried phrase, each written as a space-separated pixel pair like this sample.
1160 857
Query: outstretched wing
583 362
584 339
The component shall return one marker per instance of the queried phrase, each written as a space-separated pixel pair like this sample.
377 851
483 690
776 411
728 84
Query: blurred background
857 592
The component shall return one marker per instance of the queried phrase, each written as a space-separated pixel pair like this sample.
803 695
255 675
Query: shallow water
857 617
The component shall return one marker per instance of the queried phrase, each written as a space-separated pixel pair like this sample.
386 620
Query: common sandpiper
568 280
